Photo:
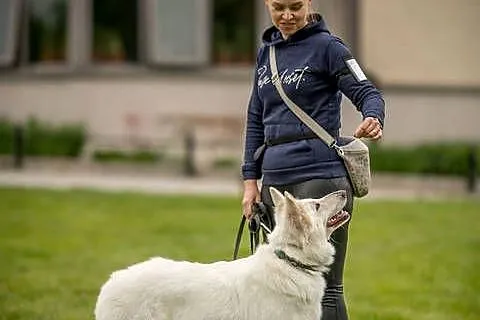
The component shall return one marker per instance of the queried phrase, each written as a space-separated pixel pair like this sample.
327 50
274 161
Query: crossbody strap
302 115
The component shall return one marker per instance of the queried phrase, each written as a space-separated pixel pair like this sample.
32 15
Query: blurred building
149 67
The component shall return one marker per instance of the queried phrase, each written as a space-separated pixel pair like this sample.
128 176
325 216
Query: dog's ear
277 197
296 215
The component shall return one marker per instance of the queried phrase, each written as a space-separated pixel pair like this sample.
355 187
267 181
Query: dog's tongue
337 219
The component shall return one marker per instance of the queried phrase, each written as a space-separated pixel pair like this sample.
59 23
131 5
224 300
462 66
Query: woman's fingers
251 194
369 128
377 135
247 208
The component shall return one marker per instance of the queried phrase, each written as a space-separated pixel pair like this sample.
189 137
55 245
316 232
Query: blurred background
163 85
142 96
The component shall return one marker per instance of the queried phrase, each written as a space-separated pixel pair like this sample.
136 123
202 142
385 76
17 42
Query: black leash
262 222
239 237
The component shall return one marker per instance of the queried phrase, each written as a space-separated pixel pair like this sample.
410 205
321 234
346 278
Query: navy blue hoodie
313 70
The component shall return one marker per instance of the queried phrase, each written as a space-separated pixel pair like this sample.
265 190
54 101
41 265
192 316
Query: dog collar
307 268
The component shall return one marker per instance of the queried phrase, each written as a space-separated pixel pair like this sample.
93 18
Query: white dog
282 280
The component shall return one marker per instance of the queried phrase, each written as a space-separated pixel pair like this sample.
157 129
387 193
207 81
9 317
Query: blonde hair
311 16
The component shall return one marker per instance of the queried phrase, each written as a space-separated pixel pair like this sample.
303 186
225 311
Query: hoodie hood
272 35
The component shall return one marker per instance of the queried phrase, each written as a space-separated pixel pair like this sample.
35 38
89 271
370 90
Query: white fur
259 287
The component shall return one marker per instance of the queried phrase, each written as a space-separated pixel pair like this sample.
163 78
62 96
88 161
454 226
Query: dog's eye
317 206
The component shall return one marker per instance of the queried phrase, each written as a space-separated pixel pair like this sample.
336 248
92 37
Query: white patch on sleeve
355 69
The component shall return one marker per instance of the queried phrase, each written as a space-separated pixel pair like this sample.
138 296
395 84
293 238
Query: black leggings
333 304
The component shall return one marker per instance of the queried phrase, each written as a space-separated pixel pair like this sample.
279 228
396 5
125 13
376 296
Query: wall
426 43
216 105
340 18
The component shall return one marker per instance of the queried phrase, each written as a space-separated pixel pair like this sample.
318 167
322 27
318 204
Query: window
200 32
47 25
156 32
177 33
234 31
114 30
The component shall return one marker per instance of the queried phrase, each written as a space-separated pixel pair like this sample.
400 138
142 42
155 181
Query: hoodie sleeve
254 134
352 82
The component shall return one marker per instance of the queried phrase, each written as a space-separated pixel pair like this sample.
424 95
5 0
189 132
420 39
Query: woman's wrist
250 183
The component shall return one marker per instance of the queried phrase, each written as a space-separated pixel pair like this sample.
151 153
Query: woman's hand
370 128
251 194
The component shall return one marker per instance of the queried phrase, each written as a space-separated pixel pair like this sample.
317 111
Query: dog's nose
343 193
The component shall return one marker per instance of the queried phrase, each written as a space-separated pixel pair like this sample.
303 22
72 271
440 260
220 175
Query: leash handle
255 226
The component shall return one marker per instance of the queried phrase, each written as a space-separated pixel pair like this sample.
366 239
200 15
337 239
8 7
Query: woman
315 67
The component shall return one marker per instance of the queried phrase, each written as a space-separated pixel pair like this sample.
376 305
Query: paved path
119 182
383 186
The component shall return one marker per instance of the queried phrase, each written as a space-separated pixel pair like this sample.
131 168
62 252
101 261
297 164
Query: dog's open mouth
337 219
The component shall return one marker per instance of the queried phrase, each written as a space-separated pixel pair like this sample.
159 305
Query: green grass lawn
407 260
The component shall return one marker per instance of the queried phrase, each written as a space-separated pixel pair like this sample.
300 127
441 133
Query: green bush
436 159
45 140
42 139
141 156
226 163
6 136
